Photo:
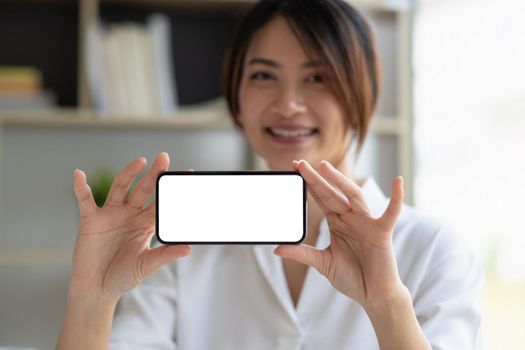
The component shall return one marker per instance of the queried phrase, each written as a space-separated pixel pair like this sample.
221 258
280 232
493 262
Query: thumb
154 259
302 253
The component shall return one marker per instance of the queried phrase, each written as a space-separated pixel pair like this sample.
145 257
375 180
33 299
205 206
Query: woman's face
286 108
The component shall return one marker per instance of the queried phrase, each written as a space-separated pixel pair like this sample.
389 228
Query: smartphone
231 207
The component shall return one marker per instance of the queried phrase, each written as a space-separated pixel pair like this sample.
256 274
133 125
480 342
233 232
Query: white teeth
292 133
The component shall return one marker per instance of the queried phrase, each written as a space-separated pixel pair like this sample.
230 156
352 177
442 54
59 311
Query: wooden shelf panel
187 118
40 2
198 5
381 5
384 5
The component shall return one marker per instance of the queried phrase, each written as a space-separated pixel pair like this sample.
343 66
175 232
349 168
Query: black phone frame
243 172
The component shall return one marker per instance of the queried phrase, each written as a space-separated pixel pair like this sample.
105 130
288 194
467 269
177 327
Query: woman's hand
360 260
112 253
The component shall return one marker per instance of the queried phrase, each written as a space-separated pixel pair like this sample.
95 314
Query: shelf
381 5
35 257
210 115
39 2
73 118
188 117
204 5
384 5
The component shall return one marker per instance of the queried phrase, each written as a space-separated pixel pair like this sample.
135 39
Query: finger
146 186
389 217
347 186
321 190
120 186
302 253
86 203
318 200
155 258
151 209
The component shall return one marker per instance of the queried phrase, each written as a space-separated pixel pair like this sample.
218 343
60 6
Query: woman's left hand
360 260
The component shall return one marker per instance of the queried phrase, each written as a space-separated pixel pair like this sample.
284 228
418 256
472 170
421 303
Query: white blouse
236 296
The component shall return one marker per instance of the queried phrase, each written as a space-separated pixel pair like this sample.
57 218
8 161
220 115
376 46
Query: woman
301 83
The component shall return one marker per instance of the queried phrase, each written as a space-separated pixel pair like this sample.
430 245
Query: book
162 66
42 100
21 88
20 80
130 69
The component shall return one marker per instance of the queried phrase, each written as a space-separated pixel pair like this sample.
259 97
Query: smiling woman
300 61
301 83
287 108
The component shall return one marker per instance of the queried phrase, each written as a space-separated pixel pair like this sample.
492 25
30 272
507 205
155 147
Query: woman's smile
291 134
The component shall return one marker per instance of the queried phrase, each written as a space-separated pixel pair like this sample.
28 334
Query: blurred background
93 84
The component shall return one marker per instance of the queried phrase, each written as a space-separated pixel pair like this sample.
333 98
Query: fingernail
295 162
326 163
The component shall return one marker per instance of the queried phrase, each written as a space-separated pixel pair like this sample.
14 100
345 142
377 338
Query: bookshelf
391 19
387 153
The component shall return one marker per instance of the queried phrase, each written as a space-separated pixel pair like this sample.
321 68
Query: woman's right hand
112 253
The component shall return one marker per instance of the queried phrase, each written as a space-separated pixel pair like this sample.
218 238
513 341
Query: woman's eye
316 78
261 76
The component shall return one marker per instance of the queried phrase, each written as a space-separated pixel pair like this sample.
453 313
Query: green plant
100 185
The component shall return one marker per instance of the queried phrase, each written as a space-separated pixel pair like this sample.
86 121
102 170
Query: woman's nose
289 102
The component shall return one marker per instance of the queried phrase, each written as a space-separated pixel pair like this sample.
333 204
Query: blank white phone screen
231 208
